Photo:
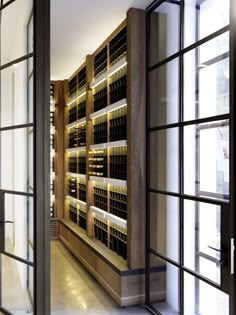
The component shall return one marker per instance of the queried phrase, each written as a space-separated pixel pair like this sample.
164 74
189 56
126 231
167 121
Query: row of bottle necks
118 201
118 131
118 170
117 238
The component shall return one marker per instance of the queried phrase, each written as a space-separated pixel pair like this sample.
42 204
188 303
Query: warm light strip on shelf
80 94
76 123
75 201
82 176
98 81
78 149
114 144
116 67
108 216
109 109
111 181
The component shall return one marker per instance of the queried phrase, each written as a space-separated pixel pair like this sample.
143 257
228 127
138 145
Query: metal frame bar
233 146
42 156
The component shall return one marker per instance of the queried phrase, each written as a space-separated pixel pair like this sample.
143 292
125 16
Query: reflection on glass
16 156
164 94
164 225
164 31
202 228
206 160
15 295
164 155
14 35
203 18
16 95
204 299
19 234
206 79
164 286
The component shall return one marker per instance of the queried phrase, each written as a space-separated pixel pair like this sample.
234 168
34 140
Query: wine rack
118 46
100 97
82 164
73 86
82 222
118 202
82 192
98 163
118 163
77 136
81 78
118 124
118 240
72 114
100 130
104 160
72 187
81 110
101 229
73 214
100 194
100 62
73 164
118 86
52 150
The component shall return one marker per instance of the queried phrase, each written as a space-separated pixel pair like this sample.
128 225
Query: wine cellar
103 216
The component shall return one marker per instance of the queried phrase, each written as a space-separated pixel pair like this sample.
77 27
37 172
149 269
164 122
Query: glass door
190 245
24 244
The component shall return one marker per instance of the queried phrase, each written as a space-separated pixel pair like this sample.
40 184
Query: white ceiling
78 27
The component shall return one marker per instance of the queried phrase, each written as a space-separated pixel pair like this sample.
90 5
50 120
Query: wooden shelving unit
104 162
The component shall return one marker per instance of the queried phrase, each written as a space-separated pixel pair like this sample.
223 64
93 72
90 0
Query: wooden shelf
75 201
77 149
114 144
104 76
112 181
108 216
109 109
76 123
82 92
82 176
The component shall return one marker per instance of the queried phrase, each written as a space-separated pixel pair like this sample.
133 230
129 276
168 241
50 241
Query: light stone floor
74 291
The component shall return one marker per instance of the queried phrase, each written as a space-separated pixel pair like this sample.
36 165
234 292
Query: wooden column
89 138
59 148
136 93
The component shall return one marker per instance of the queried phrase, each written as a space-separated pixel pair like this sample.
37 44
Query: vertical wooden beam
89 139
136 94
59 147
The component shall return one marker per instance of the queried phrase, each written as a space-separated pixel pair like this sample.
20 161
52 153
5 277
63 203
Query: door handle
1 222
216 249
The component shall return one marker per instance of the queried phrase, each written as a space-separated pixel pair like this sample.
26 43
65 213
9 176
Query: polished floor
74 291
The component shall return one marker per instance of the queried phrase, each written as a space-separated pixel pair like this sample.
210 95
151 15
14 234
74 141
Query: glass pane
164 94
206 160
203 18
206 79
164 225
15 160
16 95
204 299
15 294
19 234
164 31
164 286
164 160
14 34
202 228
